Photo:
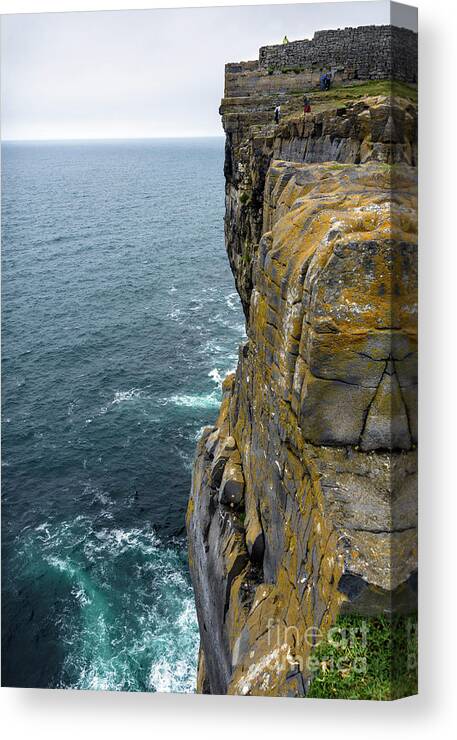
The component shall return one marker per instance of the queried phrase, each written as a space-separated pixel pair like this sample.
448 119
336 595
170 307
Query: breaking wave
126 612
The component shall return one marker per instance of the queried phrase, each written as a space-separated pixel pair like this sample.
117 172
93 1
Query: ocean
119 321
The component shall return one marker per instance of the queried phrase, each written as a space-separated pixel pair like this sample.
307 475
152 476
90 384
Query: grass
341 95
295 70
372 88
358 90
381 665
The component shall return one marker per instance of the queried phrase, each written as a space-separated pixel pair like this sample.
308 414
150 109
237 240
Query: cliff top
255 113
359 53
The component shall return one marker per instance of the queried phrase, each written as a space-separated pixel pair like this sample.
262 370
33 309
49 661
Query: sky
141 74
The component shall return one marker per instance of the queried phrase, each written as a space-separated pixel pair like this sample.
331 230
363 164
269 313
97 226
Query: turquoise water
120 319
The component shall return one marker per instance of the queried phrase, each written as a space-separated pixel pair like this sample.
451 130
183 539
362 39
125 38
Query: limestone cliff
303 502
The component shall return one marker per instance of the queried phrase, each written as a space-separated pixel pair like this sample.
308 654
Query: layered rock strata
303 501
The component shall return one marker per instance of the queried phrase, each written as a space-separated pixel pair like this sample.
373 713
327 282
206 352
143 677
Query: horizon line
111 138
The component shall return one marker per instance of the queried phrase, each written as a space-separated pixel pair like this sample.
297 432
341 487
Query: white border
73 715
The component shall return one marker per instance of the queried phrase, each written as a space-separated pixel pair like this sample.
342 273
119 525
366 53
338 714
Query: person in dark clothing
325 81
277 113
306 105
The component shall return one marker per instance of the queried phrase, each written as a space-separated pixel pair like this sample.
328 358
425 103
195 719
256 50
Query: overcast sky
142 73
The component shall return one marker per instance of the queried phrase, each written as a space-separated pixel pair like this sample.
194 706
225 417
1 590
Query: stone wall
367 52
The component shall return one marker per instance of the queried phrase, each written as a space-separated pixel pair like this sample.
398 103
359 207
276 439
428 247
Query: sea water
120 318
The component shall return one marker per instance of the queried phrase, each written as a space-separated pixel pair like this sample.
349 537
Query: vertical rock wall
303 502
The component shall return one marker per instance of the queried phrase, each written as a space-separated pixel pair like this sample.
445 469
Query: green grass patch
339 96
367 658
357 91
339 165
375 87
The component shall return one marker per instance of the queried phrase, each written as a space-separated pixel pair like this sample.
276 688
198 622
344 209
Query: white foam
157 646
198 433
187 460
132 394
186 619
81 596
174 676
121 396
204 401
232 300
174 314
63 565
117 541
215 375
211 347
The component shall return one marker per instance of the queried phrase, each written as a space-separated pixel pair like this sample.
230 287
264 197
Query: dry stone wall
366 52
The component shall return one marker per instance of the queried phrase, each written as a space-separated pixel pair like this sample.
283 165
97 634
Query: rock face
303 502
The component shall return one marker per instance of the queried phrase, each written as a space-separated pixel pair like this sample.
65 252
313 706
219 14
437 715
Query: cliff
303 501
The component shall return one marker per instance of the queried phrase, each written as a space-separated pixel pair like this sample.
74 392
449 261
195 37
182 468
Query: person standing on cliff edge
306 105
277 113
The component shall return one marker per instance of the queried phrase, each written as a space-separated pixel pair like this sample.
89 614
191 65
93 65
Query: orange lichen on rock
303 501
